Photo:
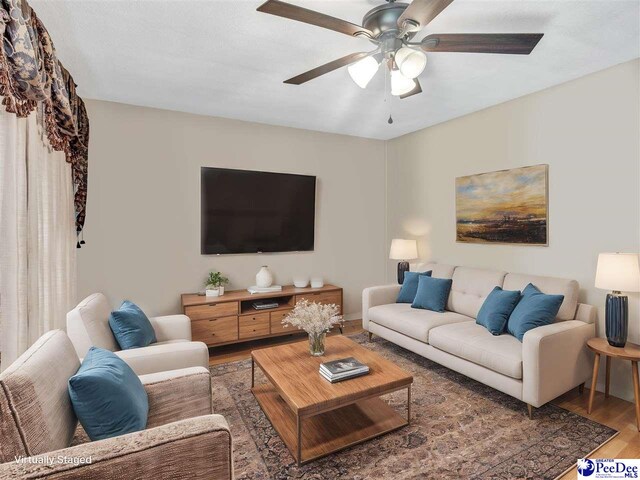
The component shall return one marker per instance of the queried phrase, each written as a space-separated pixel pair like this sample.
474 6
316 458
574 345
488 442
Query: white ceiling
222 58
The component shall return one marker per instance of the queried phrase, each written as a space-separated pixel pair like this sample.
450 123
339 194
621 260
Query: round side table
631 352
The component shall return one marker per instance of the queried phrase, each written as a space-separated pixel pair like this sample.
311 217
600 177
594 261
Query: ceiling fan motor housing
382 21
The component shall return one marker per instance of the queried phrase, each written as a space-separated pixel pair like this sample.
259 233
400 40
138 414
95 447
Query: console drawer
255 325
215 330
201 312
322 297
276 322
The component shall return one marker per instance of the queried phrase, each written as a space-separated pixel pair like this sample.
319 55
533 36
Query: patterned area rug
460 429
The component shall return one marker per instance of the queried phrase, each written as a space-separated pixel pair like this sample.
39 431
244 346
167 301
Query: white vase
264 278
212 292
220 290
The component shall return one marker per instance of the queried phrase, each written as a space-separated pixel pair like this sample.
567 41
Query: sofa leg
581 388
370 336
530 409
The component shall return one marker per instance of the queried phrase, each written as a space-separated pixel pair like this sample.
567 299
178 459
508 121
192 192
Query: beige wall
143 213
143 233
587 131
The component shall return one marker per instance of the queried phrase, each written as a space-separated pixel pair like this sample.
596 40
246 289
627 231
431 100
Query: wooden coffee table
314 417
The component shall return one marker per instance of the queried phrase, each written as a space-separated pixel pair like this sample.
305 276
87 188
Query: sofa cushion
107 396
470 288
432 293
535 309
131 327
410 286
412 322
550 286
473 342
497 307
438 270
35 411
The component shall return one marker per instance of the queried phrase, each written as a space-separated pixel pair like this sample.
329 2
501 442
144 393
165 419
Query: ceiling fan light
410 62
401 84
363 71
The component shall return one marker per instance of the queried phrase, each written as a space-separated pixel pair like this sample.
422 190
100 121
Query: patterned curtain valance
31 76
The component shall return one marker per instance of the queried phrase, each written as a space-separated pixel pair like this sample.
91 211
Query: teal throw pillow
107 396
131 327
535 309
410 286
496 309
432 293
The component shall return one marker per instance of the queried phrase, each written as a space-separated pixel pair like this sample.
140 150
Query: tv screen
244 211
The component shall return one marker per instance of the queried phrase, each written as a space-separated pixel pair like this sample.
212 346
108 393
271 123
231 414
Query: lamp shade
401 84
410 62
403 249
618 271
363 71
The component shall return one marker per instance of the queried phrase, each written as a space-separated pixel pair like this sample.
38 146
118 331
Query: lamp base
402 267
617 319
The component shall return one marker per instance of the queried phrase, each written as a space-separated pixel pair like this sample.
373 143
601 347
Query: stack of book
343 369
273 288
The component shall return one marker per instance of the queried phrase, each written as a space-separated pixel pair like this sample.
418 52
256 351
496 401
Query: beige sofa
88 325
550 360
182 440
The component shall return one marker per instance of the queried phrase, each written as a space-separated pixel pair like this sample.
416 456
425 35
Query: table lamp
618 272
403 250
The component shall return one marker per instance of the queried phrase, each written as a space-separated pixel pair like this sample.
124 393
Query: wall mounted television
244 211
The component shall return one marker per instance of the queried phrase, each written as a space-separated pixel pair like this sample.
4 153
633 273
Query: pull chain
387 96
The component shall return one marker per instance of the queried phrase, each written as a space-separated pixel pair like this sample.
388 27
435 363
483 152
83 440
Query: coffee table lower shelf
330 431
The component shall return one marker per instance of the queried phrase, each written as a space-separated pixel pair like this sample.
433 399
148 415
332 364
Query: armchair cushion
107 396
171 327
177 394
131 327
193 449
161 357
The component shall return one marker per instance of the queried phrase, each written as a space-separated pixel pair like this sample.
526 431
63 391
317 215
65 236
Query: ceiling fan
391 27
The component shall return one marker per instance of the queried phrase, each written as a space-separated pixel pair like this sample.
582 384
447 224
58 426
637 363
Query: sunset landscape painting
508 206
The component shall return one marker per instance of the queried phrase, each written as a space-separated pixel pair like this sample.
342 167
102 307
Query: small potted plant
215 284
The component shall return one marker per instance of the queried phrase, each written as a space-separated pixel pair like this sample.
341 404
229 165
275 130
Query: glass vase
316 343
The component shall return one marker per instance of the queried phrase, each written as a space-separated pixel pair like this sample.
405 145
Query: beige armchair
88 325
183 440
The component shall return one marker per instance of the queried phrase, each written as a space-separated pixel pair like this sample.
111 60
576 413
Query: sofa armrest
555 359
177 395
197 448
171 327
374 296
166 356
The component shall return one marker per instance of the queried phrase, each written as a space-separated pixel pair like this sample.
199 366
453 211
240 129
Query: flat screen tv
244 211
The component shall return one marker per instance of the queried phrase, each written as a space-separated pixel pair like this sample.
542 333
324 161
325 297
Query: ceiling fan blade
417 89
420 12
508 43
326 68
293 12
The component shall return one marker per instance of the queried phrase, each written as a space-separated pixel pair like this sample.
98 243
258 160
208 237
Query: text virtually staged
333 241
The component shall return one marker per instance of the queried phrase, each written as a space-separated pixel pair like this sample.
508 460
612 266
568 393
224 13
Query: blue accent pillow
131 327
535 309
410 286
495 311
107 396
432 293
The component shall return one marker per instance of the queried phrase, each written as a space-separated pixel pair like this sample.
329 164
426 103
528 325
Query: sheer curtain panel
37 236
